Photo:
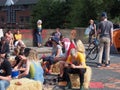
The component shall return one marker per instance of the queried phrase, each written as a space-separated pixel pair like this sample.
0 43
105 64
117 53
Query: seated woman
32 66
18 39
56 53
17 52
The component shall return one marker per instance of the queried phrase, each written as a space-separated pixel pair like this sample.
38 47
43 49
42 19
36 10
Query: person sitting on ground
10 38
5 73
18 39
4 48
32 67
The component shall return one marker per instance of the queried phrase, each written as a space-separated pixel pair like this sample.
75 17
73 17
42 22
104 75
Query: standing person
106 38
92 28
5 73
39 33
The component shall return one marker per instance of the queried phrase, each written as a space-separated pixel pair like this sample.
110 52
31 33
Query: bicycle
92 50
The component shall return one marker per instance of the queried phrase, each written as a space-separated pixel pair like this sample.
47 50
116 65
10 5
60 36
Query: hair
91 20
33 55
80 46
17 51
73 52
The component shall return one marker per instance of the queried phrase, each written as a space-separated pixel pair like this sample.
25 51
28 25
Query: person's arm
82 62
95 30
58 52
8 78
26 72
111 36
18 65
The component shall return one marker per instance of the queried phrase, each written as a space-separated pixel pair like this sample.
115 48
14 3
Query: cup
15 74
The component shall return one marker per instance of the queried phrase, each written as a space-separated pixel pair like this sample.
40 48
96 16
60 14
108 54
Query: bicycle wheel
92 53
88 50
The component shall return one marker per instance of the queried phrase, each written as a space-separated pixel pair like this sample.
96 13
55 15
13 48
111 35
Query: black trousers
80 72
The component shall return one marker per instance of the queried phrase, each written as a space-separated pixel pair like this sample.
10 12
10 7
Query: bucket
15 74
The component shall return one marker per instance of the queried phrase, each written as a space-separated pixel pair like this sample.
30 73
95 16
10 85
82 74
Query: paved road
104 78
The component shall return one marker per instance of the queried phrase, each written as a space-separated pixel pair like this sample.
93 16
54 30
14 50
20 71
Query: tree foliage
73 13
52 13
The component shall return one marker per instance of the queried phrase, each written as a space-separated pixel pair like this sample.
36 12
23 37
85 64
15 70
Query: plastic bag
87 31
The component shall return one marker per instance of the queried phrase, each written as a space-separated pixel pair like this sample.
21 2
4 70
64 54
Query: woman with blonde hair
33 69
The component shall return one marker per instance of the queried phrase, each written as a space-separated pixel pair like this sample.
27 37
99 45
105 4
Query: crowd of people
69 52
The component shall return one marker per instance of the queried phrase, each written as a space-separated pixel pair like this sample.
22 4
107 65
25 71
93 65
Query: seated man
75 64
5 73
10 38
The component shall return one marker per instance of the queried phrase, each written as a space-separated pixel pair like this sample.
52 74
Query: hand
15 68
73 66
111 42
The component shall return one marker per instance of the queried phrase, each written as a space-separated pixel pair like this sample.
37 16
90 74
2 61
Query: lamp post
9 4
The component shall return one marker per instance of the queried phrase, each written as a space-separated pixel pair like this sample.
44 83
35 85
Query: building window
27 19
21 19
2 19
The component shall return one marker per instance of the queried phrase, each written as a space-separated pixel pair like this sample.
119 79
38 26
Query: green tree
73 13
51 12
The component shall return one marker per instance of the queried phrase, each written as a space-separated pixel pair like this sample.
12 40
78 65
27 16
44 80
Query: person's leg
101 51
103 56
90 37
107 51
40 40
66 71
81 75
4 84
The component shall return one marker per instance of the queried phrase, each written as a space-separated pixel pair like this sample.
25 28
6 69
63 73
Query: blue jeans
4 84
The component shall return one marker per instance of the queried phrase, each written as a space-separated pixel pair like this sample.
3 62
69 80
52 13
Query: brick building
17 14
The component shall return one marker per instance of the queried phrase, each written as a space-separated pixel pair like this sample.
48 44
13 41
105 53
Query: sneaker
68 86
107 65
81 87
99 65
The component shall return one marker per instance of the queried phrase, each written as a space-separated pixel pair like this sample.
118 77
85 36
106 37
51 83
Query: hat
104 14
39 21
55 39
80 46
3 38
66 40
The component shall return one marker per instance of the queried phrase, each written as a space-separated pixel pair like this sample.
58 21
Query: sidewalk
106 78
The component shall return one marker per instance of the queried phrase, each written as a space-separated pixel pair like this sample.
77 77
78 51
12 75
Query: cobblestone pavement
104 78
